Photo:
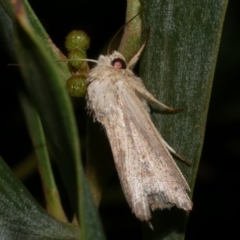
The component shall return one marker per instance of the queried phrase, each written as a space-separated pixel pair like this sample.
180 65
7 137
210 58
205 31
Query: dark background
216 196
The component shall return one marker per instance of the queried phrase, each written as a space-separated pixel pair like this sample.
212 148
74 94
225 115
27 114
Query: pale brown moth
149 177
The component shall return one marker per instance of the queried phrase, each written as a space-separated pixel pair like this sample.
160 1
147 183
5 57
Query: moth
149 177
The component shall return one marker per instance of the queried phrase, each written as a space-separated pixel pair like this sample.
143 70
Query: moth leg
165 107
176 154
150 98
135 58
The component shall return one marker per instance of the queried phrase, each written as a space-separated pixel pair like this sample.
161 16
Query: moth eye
119 63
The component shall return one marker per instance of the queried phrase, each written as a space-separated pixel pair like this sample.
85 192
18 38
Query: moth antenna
115 35
74 59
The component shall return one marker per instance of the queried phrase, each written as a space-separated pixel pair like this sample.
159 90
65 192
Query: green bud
78 55
77 39
76 86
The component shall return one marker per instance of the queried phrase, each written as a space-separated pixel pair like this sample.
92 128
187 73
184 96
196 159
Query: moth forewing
149 177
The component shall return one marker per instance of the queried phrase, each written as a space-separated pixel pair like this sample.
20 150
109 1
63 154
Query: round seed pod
76 86
78 63
77 39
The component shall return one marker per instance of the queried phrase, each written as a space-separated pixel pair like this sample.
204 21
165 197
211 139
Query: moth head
117 60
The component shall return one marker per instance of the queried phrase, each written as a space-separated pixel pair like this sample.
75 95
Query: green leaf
178 67
132 30
6 32
22 218
52 198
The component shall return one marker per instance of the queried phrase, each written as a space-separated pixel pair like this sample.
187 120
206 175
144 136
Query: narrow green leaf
22 218
6 4
47 43
52 198
6 32
178 66
131 39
